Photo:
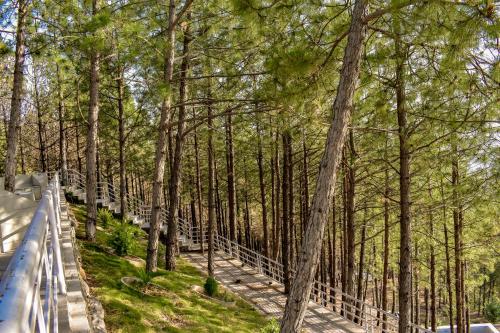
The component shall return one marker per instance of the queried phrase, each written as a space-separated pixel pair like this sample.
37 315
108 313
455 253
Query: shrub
272 326
492 312
211 286
104 217
122 239
145 276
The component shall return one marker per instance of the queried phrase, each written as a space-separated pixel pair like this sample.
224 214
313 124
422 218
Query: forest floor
173 304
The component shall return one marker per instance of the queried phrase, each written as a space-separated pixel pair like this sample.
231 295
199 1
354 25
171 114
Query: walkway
267 295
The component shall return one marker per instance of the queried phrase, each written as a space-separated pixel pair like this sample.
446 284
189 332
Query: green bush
122 239
492 312
145 276
104 217
273 326
211 286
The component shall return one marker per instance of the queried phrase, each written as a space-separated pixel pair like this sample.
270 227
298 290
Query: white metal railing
371 318
34 278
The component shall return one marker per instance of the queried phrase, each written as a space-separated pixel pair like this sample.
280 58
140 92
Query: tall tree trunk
91 186
175 174
432 267
211 197
350 228
276 168
161 146
310 250
457 225
198 192
385 273
63 158
121 144
77 128
285 260
291 236
306 186
405 257
361 267
265 229
231 191
17 95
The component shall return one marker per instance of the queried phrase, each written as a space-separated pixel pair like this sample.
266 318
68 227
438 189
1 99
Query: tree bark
121 144
91 186
211 199
405 255
385 273
309 253
457 225
63 158
175 174
231 191
161 146
17 94
265 229
285 211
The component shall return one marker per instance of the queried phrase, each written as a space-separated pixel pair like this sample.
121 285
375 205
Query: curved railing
34 278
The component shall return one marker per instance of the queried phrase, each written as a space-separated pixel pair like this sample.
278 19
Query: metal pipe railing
36 259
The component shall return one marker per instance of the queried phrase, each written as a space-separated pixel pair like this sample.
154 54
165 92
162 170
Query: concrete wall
15 215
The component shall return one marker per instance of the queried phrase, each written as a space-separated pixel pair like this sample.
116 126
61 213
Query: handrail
37 258
371 318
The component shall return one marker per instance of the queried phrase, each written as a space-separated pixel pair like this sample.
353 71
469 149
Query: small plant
104 217
492 312
211 286
272 326
122 239
145 276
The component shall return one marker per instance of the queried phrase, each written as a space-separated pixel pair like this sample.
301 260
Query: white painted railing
371 318
34 279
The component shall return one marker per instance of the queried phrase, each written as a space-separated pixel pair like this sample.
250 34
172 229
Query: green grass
183 310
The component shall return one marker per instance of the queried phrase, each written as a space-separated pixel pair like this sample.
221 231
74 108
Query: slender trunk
198 191
17 95
361 267
385 274
291 228
405 255
161 146
175 174
231 191
121 144
432 277
265 247
416 292
63 159
285 211
211 199
306 186
309 253
276 168
77 128
448 270
458 241
350 229
91 186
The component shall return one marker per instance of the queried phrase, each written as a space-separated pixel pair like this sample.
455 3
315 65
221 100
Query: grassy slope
181 311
